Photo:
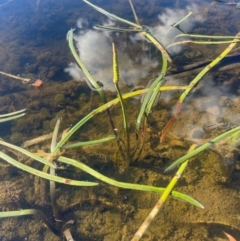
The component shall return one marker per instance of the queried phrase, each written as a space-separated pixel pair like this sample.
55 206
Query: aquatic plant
57 150
191 85
152 93
129 145
12 115
57 155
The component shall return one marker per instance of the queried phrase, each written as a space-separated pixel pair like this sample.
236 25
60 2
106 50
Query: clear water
33 45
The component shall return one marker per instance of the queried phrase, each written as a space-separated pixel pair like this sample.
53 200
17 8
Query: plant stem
87 169
115 81
161 201
203 147
30 212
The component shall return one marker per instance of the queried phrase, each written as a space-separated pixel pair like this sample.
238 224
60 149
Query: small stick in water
24 80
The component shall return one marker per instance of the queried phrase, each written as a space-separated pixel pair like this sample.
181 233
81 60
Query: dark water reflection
33 32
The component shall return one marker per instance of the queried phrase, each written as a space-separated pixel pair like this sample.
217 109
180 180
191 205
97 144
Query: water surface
33 45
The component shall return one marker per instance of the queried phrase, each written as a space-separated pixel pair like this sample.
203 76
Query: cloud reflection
96 51
169 18
95 48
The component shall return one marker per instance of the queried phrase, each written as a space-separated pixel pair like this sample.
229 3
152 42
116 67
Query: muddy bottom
110 213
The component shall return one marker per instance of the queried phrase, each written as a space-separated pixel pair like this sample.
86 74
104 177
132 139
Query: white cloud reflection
171 17
96 51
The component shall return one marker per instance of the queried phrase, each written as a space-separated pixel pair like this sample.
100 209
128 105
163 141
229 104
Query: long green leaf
111 28
89 143
176 24
160 202
55 134
12 113
146 100
205 36
11 118
202 148
82 66
27 153
143 29
103 108
115 183
25 212
112 16
43 174
156 89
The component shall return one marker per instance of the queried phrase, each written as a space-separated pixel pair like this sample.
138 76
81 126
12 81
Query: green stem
103 108
25 212
160 202
143 30
176 24
27 153
146 100
156 89
43 174
202 148
205 36
90 143
115 81
115 183
91 79
12 115
203 42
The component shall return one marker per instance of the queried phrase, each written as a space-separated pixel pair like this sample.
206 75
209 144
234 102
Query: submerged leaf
55 134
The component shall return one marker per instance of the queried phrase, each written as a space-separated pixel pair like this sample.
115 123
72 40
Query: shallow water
33 45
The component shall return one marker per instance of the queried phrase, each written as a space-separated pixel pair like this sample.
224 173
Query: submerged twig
37 140
24 80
